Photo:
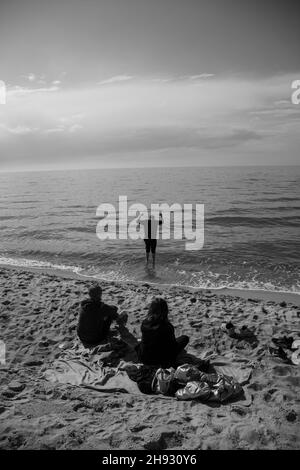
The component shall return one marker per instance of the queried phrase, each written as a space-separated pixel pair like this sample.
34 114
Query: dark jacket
94 321
158 345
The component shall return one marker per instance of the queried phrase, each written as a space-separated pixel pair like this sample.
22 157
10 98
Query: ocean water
252 222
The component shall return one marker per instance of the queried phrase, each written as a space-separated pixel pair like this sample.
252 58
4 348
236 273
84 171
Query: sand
38 312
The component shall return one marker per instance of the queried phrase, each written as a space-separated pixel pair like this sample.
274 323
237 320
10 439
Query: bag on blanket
162 379
194 390
211 388
223 387
187 373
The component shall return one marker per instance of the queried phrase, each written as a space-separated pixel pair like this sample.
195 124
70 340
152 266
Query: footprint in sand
240 410
268 396
281 371
256 386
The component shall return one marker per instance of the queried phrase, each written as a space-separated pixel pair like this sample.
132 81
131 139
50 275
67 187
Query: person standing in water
151 226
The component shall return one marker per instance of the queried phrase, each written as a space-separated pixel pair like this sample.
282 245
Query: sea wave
185 279
291 221
30 263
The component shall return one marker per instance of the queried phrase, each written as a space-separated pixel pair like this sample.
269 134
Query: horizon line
38 170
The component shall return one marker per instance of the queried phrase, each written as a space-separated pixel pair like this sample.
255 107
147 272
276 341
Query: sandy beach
38 320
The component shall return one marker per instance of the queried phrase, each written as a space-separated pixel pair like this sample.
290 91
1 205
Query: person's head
95 292
158 310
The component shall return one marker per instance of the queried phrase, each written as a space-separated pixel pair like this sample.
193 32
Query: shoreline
255 294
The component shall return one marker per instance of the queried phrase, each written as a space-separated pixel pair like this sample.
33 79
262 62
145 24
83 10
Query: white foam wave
30 263
199 280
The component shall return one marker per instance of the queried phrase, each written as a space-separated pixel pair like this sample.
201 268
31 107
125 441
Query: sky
136 83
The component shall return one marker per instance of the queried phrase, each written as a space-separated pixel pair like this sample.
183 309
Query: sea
48 219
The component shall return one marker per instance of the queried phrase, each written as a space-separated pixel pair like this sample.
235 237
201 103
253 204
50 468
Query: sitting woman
159 345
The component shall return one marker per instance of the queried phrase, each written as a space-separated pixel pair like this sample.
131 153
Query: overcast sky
121 83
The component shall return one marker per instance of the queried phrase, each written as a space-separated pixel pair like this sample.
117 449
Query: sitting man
96 317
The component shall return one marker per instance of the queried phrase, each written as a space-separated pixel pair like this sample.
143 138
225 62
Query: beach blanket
111 366
88 368
79 372
101 367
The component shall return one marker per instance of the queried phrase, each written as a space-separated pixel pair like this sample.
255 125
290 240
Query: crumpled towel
98 368
240 373
77 371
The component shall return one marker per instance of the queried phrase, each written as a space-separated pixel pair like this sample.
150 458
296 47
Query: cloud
201 76
70 123
175 137
220 118
38 84
116 79
53 130
76 147
19 130
31 77
19 90
182 78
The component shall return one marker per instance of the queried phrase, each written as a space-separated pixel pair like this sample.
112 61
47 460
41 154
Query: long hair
158 310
